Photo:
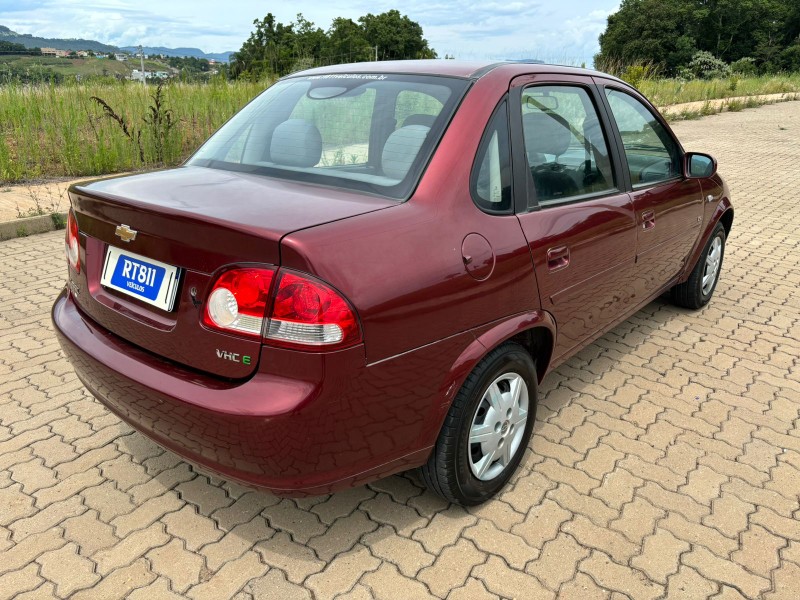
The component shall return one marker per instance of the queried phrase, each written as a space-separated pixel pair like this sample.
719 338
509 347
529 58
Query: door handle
648 219
557 258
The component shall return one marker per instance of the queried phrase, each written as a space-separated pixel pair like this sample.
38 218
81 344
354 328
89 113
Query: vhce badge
125 233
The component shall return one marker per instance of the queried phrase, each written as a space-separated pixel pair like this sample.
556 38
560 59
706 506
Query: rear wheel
486 430
696 291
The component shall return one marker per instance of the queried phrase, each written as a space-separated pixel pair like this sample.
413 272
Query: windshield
366 132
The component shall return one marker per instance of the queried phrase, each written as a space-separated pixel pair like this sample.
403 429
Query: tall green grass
665 92
58 131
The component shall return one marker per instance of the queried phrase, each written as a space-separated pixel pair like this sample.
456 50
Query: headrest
296 143
401 149
593 132
427 120
545 133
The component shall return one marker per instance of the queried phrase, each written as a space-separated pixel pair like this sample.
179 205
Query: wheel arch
539 342
534 330
723 213
727 221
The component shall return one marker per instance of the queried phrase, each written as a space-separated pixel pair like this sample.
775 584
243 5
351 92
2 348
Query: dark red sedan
371 266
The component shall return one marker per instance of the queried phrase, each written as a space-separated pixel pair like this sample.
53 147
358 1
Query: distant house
137 75
54 52
121 57
83 53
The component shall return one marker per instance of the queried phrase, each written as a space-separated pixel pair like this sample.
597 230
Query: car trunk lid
200 221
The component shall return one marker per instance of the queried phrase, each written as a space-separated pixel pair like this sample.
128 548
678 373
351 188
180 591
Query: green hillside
68 68
30 41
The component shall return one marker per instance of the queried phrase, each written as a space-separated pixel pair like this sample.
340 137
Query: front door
578 222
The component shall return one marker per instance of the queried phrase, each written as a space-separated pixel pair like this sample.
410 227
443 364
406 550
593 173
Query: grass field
664 92
58 131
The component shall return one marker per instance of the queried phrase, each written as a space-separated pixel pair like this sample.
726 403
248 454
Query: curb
30 225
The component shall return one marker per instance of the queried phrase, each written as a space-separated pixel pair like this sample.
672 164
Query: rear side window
370 132
565 145
491 173
651 152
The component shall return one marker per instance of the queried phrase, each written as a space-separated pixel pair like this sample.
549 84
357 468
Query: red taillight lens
72 243
307 313
238 301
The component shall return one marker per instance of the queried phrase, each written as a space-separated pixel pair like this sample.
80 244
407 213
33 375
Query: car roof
449 68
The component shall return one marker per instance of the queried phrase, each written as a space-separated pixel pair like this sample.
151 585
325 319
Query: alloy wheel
498 426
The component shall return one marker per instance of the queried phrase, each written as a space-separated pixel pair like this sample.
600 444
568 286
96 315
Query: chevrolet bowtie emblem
125 233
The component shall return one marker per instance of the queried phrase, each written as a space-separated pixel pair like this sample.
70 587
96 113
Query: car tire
488 407
696 291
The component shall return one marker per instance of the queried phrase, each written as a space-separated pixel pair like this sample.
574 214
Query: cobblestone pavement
666 461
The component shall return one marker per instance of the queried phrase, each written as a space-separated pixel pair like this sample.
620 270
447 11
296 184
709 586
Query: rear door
576 216
669 207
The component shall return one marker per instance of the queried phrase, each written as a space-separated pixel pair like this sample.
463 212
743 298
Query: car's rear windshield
369 132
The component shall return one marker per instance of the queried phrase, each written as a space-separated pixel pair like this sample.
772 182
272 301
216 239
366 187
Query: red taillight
304 313
308 313
72 243
238 301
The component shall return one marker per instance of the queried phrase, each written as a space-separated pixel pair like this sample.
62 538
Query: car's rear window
365 132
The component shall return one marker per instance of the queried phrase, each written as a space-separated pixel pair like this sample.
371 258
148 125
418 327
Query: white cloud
471 30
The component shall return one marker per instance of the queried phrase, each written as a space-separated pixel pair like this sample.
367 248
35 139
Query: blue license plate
141 277
138 277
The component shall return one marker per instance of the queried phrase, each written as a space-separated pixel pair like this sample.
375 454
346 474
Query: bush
705 65
790 58
744 66
637 73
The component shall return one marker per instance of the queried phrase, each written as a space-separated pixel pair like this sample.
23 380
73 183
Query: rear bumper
303 424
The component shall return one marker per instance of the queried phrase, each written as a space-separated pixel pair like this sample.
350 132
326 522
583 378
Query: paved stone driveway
666 460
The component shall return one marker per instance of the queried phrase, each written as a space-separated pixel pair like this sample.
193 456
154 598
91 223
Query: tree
669 32
264 52
277 49
655 31
396 36
11 47
308 39
346 42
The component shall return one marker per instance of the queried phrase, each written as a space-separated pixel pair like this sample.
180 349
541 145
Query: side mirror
697 165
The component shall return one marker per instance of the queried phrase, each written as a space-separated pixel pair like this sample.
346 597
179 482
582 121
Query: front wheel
486 430
696 291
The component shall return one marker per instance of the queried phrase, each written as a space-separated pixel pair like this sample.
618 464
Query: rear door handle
557 258
648 219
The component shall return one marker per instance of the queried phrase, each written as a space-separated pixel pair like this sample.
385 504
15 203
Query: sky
564 31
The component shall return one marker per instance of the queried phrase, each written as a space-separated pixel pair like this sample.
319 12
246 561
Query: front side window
650 151
365 132
565 145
